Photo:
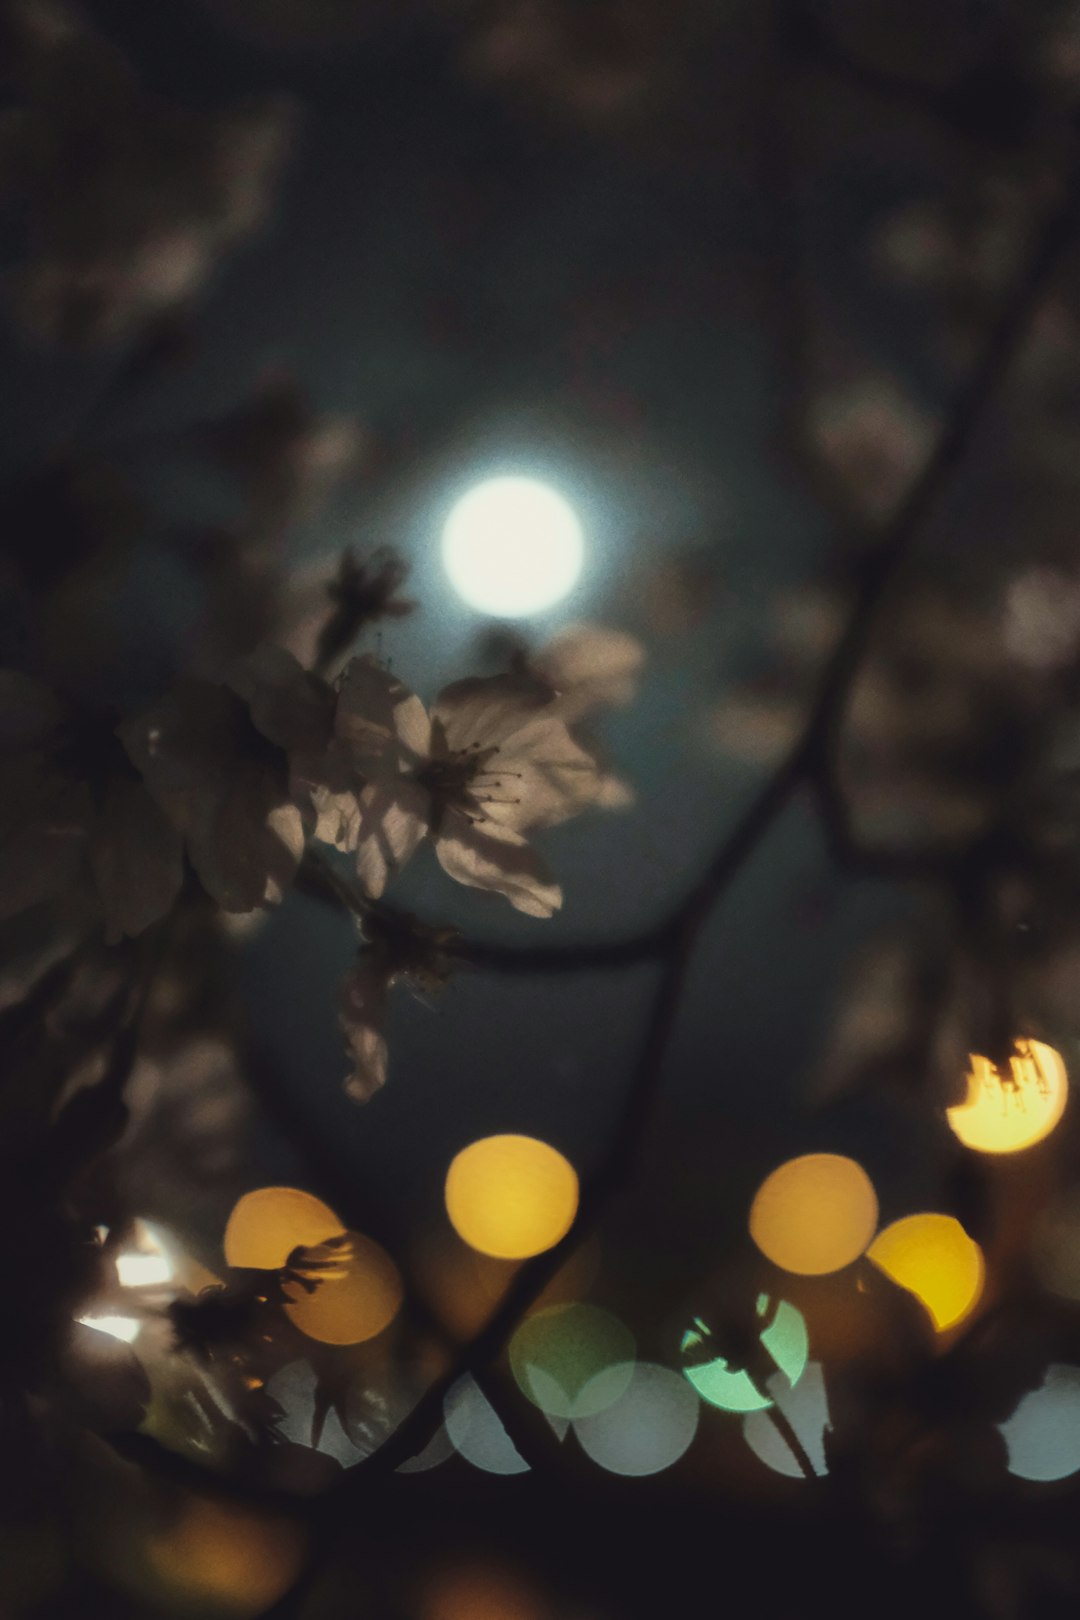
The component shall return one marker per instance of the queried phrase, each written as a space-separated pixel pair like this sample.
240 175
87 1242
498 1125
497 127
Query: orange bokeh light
814 1214
511 1196
268 1224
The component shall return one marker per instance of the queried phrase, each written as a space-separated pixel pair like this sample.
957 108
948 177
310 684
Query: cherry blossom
492 761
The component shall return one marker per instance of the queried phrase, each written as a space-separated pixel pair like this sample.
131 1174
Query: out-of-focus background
718 273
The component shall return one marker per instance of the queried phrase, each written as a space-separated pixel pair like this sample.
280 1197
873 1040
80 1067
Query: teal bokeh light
732 1389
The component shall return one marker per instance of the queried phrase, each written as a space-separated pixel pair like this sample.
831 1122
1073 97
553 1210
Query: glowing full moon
512 546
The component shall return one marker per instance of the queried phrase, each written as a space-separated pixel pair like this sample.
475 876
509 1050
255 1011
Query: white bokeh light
124 1328
512 547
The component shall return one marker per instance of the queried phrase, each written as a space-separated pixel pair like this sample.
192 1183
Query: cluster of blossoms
239 777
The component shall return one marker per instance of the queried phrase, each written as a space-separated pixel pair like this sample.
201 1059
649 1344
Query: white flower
494 759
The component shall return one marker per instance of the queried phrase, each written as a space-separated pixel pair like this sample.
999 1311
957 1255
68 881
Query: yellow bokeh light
268 1224
353 1302
934 1259
1006 1113
511 1196
814 1214
223 1557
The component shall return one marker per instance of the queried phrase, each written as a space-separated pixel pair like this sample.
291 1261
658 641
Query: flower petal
384 726
543 773
498 859
394 818
338 818
483 711
533 771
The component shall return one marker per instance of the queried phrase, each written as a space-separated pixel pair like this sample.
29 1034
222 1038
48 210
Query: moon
513 547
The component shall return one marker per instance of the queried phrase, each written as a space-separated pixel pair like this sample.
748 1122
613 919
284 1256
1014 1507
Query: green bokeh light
557 1354
786 1338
